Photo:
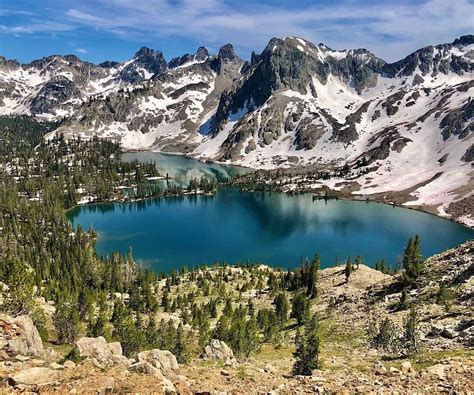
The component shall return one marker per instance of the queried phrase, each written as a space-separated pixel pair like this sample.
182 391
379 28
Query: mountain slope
405 126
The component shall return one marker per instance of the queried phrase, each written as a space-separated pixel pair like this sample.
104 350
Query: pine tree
165 301
19 279
412 260
445 297
410 333
348 269
300 308
222 328
358 261
281 307
181 349
252 340
402 305
308 347
66 321
313 277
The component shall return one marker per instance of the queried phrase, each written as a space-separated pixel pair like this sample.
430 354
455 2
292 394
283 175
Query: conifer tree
410 332
307 349
19 279
66 321
281 307
300 308
348 269
402 305
412 261
358 262
313 277
181 349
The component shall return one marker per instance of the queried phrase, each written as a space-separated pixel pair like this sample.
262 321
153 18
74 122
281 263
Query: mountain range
296 104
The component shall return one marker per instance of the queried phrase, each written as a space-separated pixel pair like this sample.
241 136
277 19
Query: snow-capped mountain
54 86
294 104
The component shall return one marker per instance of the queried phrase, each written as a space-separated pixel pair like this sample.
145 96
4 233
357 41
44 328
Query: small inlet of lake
271 228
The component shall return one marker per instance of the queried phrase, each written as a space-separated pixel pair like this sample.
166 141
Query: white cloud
37 27
389 29
81 50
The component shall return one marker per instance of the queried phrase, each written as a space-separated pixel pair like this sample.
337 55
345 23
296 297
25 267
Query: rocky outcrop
163 365
146 62
19 336
58 90
469 154
148 369
98 348
36 376
201 55
220 351
163 360
434 60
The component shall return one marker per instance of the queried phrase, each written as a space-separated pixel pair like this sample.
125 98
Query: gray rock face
98 348
37 376
146 60
144 367
218 350
108 63
360 68
469 154
227 63
433 60
18 336
200 56
58 90
458 122
284 65
162 360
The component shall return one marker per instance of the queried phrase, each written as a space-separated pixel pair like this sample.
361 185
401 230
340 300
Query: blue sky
98 30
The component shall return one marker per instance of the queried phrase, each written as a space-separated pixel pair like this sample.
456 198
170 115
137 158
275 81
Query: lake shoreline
376 197
271 228
342 196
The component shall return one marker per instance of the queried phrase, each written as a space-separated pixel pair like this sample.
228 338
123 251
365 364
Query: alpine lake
234 227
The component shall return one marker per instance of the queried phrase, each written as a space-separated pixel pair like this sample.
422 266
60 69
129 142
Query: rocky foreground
444 363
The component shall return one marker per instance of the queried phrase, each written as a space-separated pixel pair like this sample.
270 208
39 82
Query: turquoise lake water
272 228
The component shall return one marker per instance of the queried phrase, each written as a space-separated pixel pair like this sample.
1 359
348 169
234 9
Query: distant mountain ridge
294 104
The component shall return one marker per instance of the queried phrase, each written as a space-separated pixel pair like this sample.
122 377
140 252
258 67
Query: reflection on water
183 169
273 228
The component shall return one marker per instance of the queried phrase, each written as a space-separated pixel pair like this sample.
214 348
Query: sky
98 30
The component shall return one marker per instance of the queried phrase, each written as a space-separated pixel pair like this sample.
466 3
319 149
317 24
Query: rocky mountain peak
201 54
464 40
108 64
145 64
227 52
145 51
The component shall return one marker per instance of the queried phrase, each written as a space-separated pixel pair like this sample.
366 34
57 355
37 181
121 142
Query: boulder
145 367
407 368
98 348
38 376
435 330
380 369
438 370
69 364
449 333
18 336
218 350
163 360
